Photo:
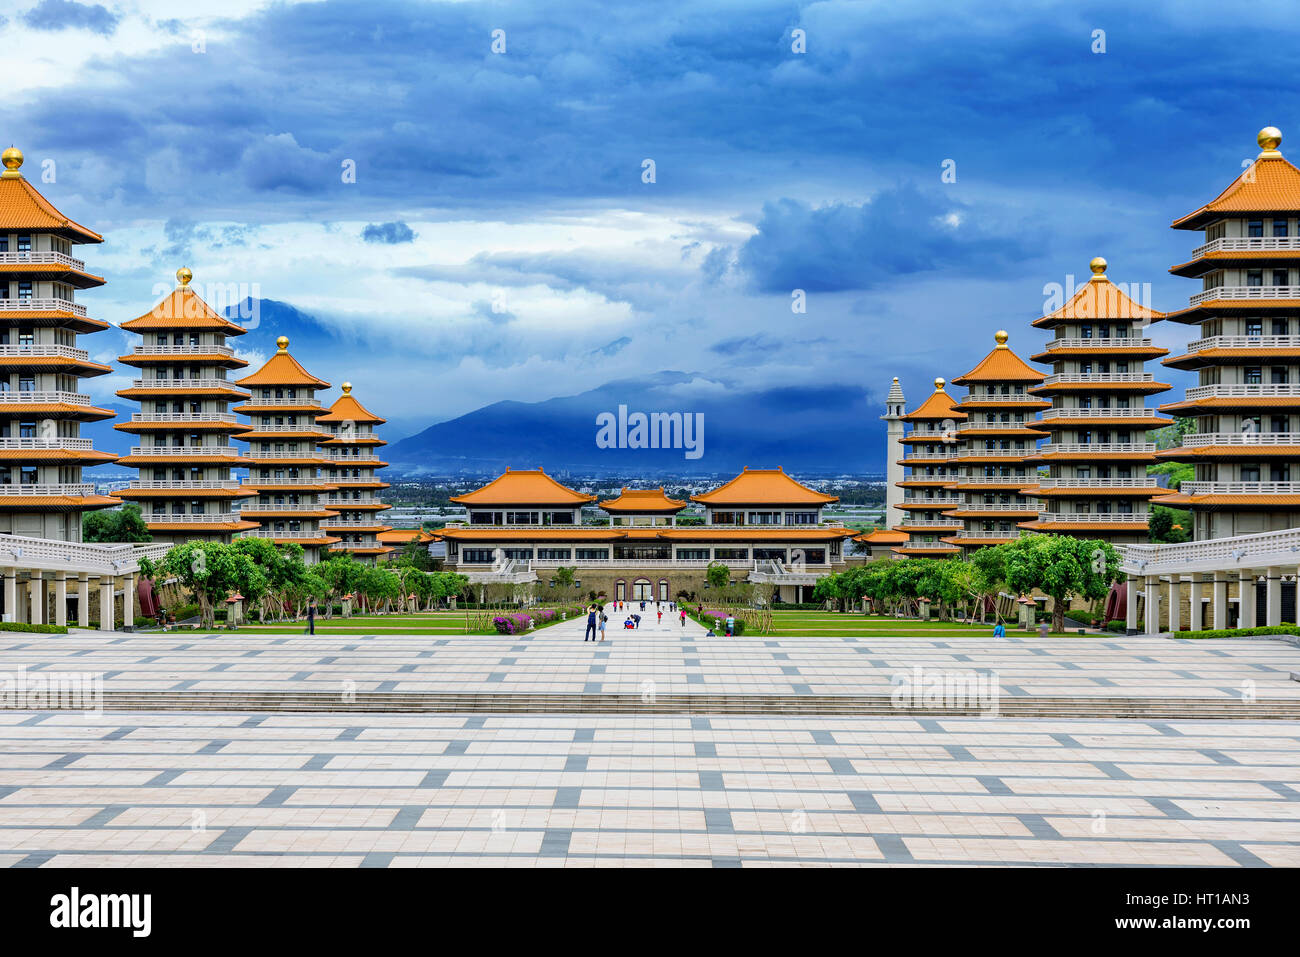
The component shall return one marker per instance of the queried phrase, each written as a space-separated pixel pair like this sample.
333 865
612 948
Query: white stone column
1131 604
60 598
1175 611
1273 586
1220 600
1246 599
128 603
36 589
1194 617
1152 598
83 600
11 593
106 603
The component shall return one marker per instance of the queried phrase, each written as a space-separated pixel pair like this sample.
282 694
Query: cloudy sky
500 240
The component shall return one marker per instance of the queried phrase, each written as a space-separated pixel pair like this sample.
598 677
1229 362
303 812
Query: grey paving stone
591 687
711 781
406 818
225 841
435 779
1168 808
822 737
1111 771
994 785
725 861
64 760
700 724
706 749
584 734
475 721
38 859
459 746
164 777
717 820
958 752
102 817
278 796
575 762
893 847
252 721
212 747
349 734
377 859
555 843
1234 850
1039 826
841 765
567 797
317 762
1066 741
117 734
864 803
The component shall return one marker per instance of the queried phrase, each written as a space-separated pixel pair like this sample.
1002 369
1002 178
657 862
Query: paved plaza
357 789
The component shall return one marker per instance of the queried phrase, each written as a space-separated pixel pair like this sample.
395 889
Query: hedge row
42 629
1283 629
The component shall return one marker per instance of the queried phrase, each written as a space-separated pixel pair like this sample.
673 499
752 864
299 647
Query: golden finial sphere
183 275
282 343
347 387
1098 266
1269 138
938 384
13 158
1001 337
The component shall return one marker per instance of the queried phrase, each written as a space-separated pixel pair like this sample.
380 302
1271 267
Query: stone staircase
382 702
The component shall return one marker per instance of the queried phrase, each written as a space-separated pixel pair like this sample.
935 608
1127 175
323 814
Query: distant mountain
826 430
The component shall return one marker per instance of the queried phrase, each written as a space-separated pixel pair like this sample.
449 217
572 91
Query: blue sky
499 241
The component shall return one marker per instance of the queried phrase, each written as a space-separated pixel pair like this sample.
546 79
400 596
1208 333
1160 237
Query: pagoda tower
351 475
930 456
284 455
185 488
998 440
42 494
1246 447
1097 484
895 408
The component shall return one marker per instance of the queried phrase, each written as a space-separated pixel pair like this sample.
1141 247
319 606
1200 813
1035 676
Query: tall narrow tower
351 452
893 417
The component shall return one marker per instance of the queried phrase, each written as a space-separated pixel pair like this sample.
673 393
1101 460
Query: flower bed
518 622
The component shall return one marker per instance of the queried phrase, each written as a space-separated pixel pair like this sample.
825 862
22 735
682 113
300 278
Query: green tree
124 524
718 575
1062 567
212 571
1171 436
1161 524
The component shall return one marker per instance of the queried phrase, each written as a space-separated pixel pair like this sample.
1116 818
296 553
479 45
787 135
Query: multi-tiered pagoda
351 476
1097 484
1246 446
186 488
997 442
42 494
930 457
284 454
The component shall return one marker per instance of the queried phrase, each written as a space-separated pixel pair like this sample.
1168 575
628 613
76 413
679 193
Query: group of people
597 619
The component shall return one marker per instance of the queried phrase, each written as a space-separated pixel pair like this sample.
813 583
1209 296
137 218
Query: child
661 616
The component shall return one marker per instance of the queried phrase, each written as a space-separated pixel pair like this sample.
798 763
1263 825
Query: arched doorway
663 589
620 590
642 590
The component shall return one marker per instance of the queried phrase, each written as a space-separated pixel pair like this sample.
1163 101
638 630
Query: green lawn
417 623
814 624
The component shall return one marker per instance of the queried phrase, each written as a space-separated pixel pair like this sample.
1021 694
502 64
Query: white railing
1064 378
968 453
732 563
273 403
304 429
1107 518
930 457
1138 412
199 350
346 523
226 417
43 258
302 534
1245 292
992 533
101 560
1143 482
1099 448
1244 390
83 488
307 453
936 545
930 523
159 518
1240 488
54 443
31 304
45 350
183 485
1244 342
1239 553
969 426
1018 397
185 451
1028 506
337 460
1247 244
255 481
285 507
43 398
200 384
1099 342
993 479
1195 439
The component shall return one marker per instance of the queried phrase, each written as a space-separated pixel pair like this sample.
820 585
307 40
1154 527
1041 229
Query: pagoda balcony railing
42 258
353 503
185 451
992 479
183 350
932 523
978 426
79 488
271 403
293 480
1244 342
1240 488
1196 439
44 350
947 501
1245 292
1247 244
1028 505
1244 390
936 545
1017 397
1136 516
350 523
970 452
1100 448
307 453
184 485
1099 342
158 518
1144 482
352 459
22 397
183 384
57 442
931 457
1132 412
285 507
44 304
302 533
990 533
1063 378
305 427
733 563
228 417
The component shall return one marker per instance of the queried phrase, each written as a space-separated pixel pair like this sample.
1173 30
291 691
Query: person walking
999 631
590 633
683 612
311 617
601 621
661 616
731 626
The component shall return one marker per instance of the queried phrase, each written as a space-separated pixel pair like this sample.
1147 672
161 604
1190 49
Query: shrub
1283 629
40 629
1117 624
512 624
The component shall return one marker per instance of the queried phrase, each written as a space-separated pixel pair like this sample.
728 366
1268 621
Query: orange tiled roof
282 369
940 405
182 308
1001 365
1099 298
763 487
642 500
523 487
1269 184
348 409
882 536
22 207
